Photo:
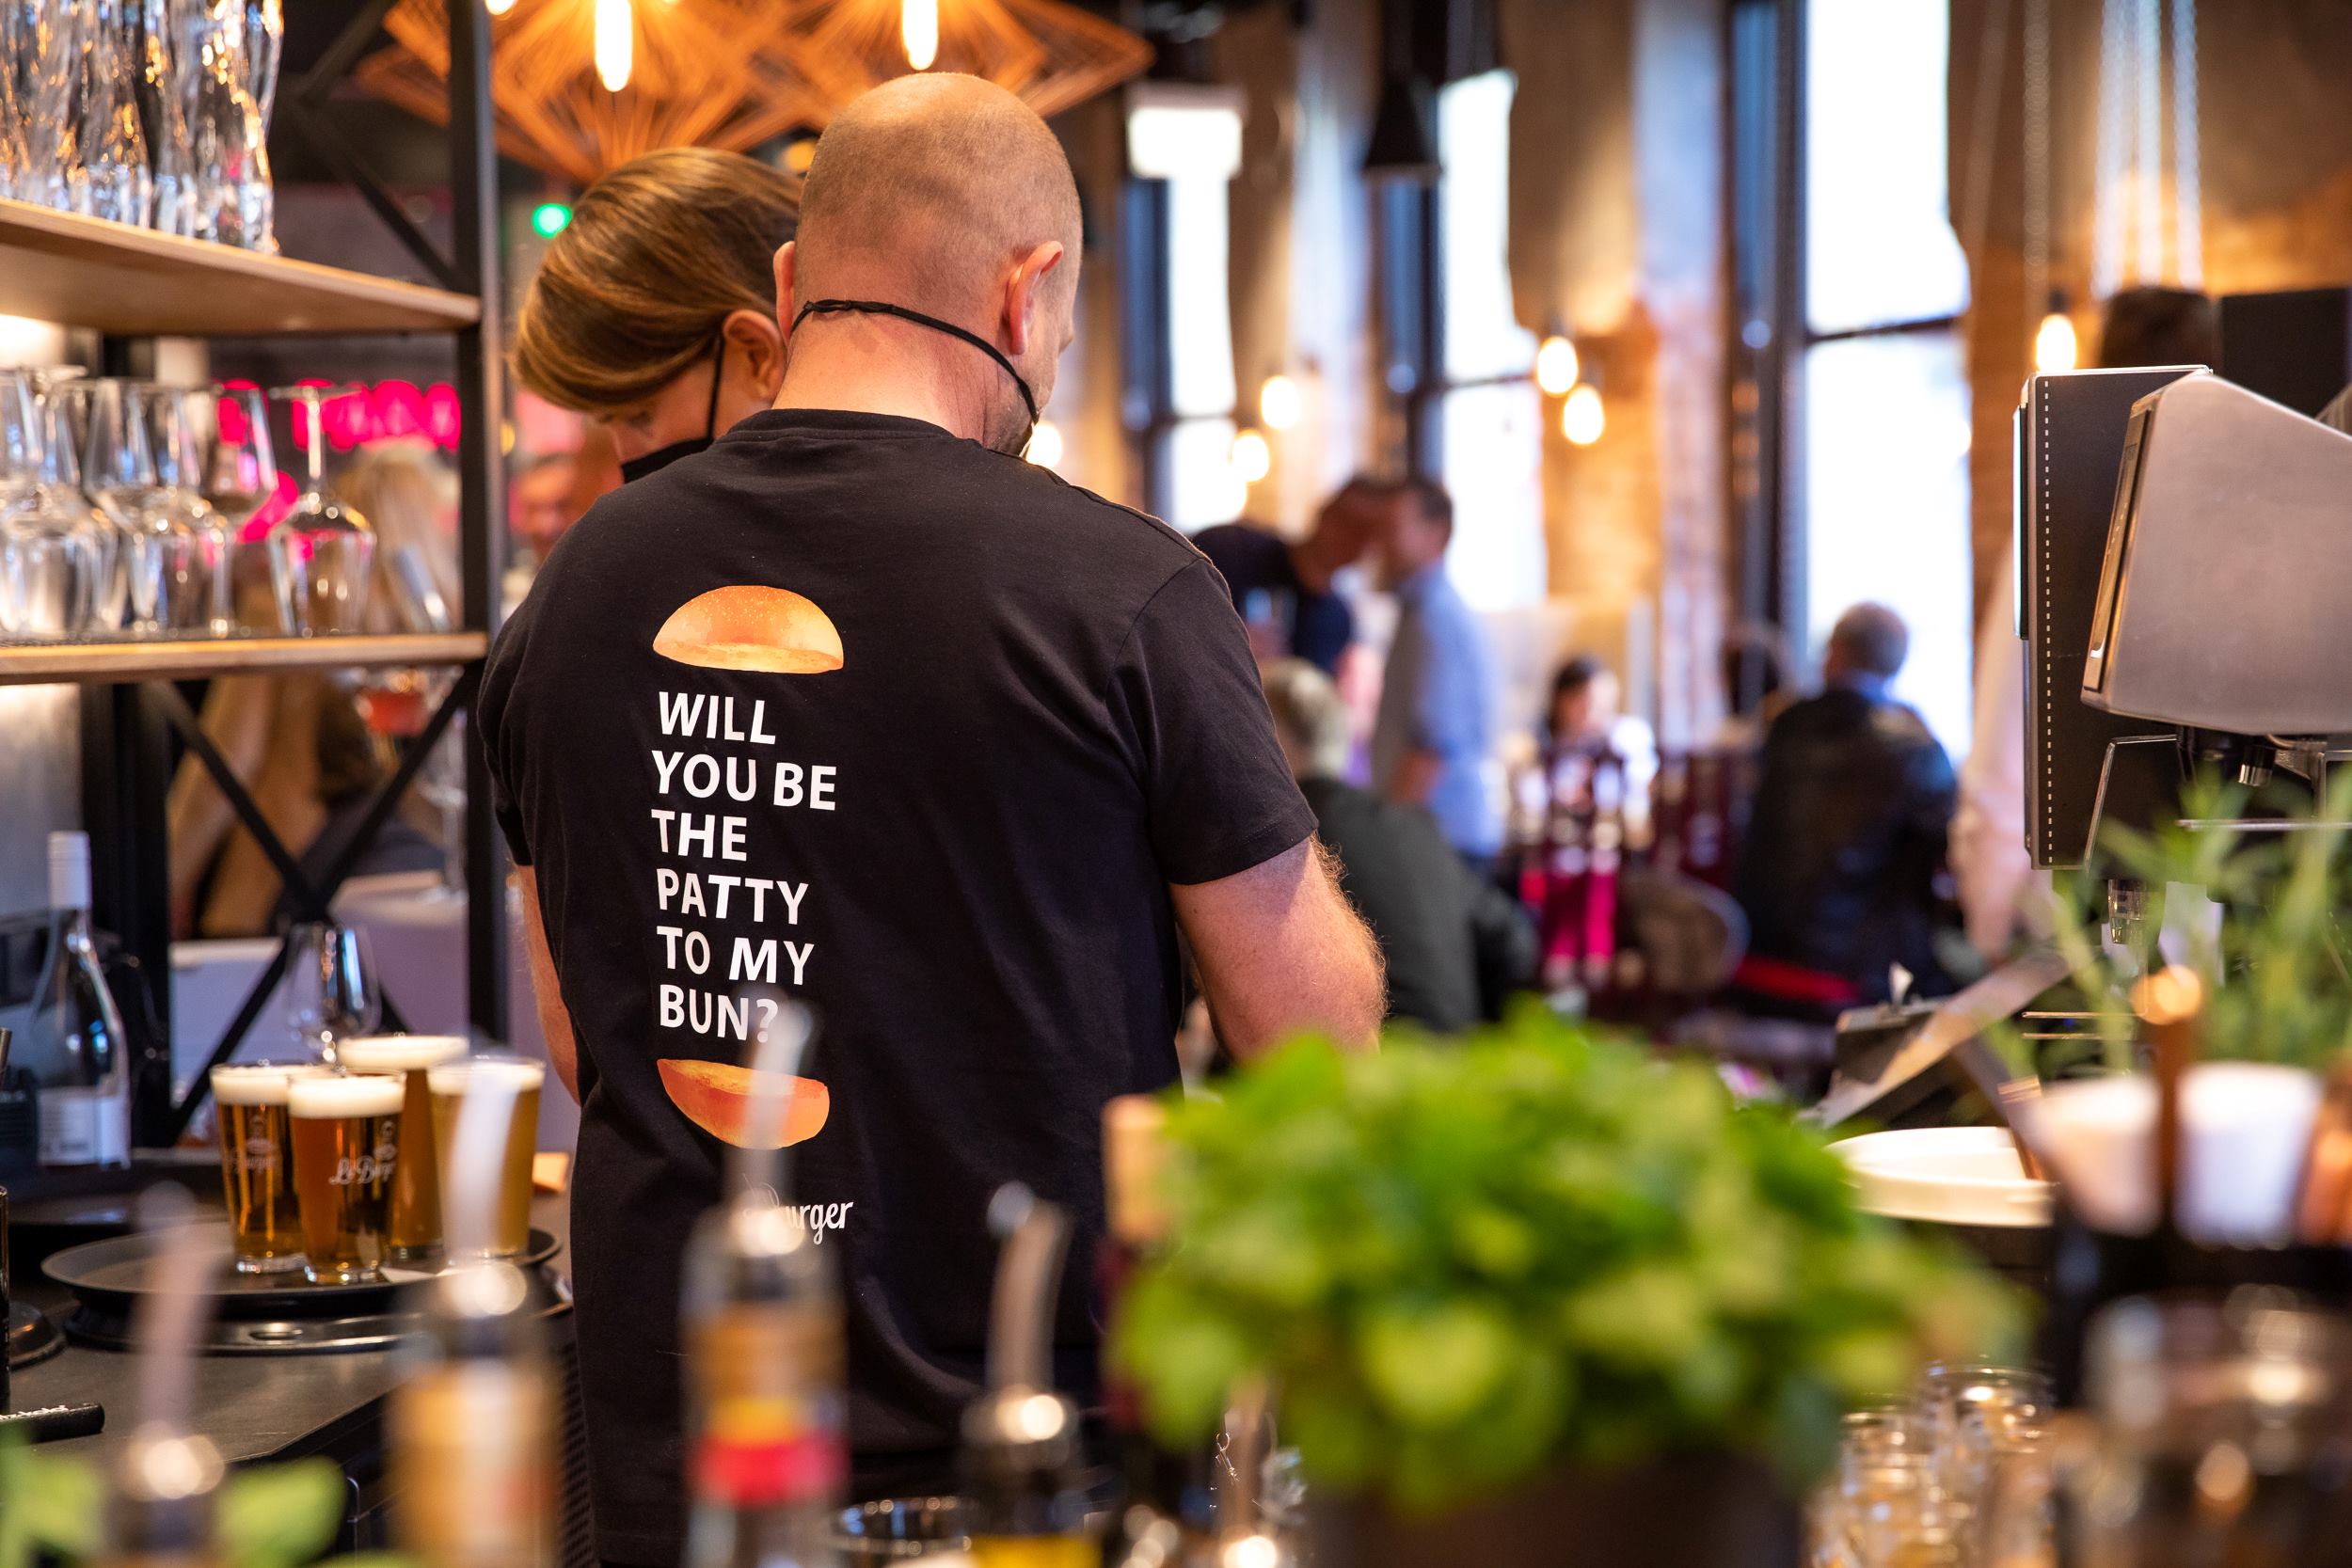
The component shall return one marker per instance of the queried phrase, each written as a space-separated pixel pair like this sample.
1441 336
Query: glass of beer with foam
256 1163
516 1079
415 1227
346 1157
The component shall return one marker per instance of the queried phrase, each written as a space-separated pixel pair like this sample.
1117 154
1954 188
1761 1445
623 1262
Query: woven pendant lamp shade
731 74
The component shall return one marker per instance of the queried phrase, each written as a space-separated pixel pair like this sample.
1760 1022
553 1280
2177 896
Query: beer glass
518 1078
256 1173
415 1227
346 1149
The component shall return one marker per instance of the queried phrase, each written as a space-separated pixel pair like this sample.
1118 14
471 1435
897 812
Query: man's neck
1309 565
868 367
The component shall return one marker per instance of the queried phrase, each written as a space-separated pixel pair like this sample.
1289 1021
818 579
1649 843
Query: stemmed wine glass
118 471
58 551
195 566
331 992
240 475
321 552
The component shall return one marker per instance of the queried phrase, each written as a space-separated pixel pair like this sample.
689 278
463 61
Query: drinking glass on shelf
119 472
49 56
20 442
228 135
331 992
168 69
196 565
265 45
109 175
322 552
54 550
13 74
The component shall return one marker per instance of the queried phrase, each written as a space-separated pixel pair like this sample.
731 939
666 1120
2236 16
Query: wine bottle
473 1424
1022 1454
74 1041
764 1352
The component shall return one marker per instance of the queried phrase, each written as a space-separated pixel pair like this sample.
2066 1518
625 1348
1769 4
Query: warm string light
1581 418
1280 403
615 43
1555 366
2054 348
918 29
498 7
1045 445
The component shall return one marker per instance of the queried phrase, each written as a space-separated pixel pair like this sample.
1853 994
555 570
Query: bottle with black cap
763 1354
473 1424
1022 1453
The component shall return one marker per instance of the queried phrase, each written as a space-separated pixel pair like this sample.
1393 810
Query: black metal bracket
309 102
314 898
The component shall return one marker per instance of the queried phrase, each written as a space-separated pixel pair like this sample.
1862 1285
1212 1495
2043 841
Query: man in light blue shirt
1433 741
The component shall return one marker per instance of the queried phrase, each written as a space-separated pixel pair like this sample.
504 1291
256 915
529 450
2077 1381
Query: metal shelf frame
84 273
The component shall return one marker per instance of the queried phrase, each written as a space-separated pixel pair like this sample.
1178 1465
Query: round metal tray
31 1336
261 1314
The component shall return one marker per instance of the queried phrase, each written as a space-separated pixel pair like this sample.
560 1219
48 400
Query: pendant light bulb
2054 348
498 7
1581 418
1555 366
1280 403
615 43
1253 458
918 29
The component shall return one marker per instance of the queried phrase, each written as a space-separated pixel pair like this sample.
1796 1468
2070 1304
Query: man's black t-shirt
937 785
1253 560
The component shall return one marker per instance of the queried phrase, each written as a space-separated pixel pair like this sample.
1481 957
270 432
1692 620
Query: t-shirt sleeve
1187 702
493 718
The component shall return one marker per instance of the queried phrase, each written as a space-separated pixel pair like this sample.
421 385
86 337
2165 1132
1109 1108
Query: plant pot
1686 1510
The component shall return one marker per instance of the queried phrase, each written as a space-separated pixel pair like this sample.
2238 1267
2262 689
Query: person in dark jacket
1848 837
1456 945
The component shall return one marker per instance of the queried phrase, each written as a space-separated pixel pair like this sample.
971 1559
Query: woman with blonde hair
655 312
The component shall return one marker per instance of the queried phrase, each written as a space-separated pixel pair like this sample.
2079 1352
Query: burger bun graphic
718 1098
750 627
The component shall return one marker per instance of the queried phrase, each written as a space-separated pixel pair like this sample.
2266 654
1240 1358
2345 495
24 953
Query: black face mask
661 457
876 307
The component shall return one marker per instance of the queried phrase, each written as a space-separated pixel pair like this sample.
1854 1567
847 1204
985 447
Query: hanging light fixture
1581 418
1280 403
1555 365
1252 459
918 29
615 45
2054 348
499 7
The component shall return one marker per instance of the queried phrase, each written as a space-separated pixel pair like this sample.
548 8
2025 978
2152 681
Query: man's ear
1023 292
784 266
757 344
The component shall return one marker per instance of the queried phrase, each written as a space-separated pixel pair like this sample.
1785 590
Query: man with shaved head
858 707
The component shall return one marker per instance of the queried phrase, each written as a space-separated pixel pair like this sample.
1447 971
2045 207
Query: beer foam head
260 1083
314 1098
514 1075
398 1053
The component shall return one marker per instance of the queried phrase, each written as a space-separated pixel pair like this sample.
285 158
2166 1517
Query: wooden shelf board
138 283
103 663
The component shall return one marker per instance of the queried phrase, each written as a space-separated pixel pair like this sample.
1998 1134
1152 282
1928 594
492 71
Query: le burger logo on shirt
772 631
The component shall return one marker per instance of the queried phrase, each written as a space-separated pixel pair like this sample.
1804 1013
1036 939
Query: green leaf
282 1514
1431 1367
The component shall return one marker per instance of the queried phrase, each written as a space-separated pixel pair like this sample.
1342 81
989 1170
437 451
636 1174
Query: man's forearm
1282 952
555 1021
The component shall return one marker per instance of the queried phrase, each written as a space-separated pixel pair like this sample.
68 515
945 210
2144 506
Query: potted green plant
1533 1291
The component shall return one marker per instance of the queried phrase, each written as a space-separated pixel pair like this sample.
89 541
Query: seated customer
1289 582
1455 945
1848 836
1586 722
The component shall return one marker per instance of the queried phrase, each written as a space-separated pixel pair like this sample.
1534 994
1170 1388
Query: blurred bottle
473 1425
764 1357
1022 1455
73 1040
160 1513
1165 1494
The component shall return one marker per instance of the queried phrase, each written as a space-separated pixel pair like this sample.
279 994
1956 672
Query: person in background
409 497
1848 837
539 510
1284 588
1990 865
1586 723
1456 945
654 312
1432 739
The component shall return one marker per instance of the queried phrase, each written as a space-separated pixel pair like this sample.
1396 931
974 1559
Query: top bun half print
748 627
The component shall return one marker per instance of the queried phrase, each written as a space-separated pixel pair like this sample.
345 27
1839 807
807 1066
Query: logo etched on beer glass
346 1144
